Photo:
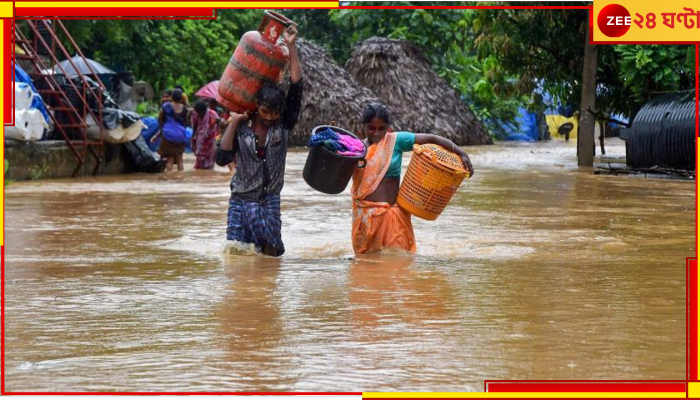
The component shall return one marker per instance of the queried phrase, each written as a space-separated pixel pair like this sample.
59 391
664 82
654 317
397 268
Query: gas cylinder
261 56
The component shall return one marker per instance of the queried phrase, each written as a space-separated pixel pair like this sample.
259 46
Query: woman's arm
188 117
156 136
193 121
425 138
194 132
161 119
161 122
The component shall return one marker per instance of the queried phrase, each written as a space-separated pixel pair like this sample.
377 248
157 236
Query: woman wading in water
377 221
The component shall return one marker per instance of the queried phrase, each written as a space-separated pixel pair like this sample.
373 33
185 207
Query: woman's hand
290 34
425 138
467 163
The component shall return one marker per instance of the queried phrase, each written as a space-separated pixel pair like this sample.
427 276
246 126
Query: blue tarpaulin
525 130
151 129
37 102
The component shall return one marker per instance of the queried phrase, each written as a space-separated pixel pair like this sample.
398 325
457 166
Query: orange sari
378 225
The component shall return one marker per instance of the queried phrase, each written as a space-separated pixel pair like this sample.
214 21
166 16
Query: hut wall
420 101
330 94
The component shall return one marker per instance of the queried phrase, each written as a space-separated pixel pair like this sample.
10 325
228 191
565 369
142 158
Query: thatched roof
398 72
330 94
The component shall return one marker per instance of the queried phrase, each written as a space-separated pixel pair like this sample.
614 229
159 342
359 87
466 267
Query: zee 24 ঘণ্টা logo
614 20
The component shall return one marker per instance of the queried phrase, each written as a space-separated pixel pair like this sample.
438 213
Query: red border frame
519 386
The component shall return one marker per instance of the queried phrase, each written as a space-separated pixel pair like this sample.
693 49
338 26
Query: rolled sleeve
405 141
224 157
292 106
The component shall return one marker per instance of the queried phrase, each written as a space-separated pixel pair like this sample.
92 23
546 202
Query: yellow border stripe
693 389
6 9
526 395
213 4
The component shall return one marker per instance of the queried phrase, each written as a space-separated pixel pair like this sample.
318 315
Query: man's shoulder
244 129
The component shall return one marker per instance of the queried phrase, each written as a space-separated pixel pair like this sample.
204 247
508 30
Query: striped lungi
256 222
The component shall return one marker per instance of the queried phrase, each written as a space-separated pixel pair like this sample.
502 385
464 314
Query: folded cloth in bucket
344 145
332 145
319 138
353 147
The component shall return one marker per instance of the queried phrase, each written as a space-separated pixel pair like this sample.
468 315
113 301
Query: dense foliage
497 60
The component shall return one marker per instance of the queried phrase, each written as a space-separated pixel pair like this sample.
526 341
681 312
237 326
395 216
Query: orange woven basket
432 178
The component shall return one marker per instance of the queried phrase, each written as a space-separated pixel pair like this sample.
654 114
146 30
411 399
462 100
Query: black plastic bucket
327 171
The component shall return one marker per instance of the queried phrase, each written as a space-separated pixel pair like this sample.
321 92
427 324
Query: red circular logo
614 20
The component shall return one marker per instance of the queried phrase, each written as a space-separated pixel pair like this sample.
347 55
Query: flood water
534 271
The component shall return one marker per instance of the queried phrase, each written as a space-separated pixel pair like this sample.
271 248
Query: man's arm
290 36
226 149
292 106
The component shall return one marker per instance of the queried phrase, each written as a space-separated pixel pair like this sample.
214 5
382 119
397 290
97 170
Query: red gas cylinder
260 57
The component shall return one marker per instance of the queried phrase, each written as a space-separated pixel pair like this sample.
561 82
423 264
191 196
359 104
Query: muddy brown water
534 271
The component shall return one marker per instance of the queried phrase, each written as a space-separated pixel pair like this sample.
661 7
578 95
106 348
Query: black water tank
663 133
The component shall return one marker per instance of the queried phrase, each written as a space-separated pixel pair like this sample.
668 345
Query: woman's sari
378 225
206 129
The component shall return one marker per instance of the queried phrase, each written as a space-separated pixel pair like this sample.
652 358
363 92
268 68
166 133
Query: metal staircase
68 104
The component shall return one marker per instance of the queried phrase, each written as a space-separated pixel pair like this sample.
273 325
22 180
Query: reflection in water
534 271
251 324
386 291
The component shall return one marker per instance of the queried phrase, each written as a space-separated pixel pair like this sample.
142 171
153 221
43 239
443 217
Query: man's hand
290 34
238 118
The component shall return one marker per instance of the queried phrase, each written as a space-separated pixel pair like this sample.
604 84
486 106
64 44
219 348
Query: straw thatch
330 94
401 76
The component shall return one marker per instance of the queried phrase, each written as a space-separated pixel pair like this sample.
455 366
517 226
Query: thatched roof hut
330 94
398 72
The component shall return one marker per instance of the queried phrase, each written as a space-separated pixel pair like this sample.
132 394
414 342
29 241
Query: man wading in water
259 143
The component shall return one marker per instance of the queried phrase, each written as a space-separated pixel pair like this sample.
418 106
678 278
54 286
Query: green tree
496 59
654 68
545 48
165 52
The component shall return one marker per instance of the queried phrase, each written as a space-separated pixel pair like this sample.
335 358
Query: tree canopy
497 60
